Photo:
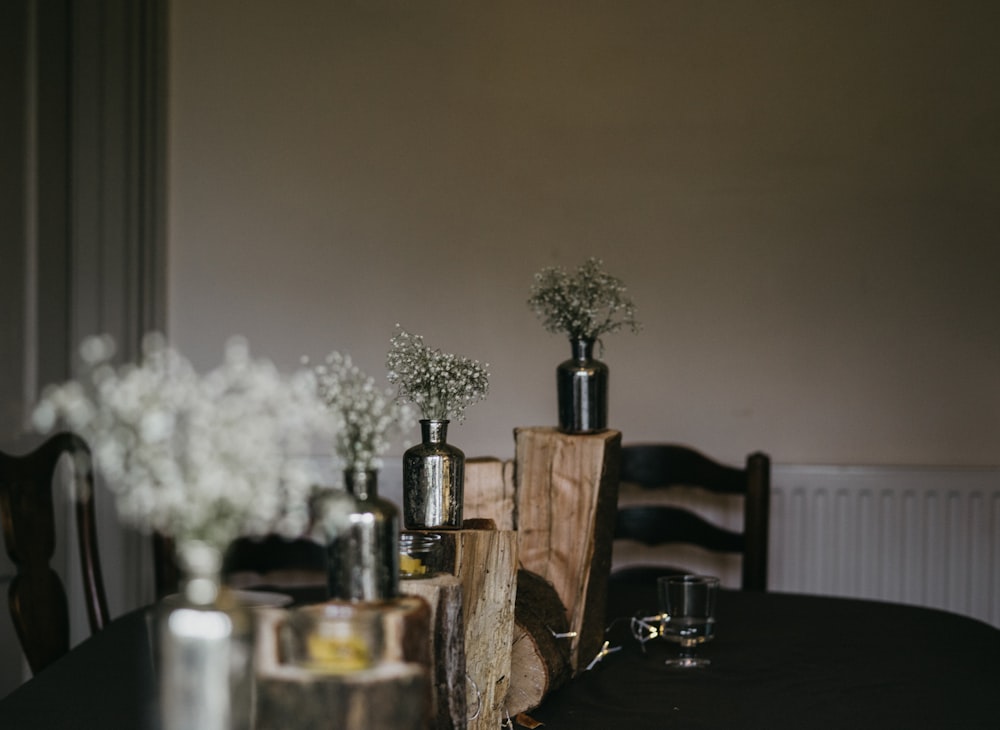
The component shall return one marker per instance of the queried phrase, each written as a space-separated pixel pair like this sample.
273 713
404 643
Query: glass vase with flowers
363 551
441 385
583 305
203 459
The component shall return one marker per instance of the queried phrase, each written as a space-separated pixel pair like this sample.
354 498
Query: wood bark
443 594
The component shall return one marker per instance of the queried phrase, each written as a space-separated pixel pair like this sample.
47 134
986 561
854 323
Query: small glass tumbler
687 605
419 555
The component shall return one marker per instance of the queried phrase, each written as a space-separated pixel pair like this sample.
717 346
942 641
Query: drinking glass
687 605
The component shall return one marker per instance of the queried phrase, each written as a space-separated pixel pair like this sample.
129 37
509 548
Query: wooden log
443 594
406 624
485 563
539 660
567 489
391 695
489 491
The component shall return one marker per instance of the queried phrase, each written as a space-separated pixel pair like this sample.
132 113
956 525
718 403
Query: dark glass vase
363 546
433 480
582 386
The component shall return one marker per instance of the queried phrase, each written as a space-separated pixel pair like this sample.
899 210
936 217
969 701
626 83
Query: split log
489 491
485 563
443 594
567 490
539 660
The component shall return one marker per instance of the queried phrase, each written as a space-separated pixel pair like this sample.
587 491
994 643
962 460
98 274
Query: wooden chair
38 603
663 467
166 574
275 563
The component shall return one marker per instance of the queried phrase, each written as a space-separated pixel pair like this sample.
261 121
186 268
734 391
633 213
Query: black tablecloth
107 682
778 661
793 661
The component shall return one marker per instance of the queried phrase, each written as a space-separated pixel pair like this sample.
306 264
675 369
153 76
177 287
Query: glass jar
419 554
362 541
206 648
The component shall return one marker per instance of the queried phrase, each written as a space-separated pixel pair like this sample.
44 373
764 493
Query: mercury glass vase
206 648
582 386
433 480
363 553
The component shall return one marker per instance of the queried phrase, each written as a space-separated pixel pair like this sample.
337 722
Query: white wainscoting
926 536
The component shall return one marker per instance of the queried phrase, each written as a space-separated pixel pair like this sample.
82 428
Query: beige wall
802 197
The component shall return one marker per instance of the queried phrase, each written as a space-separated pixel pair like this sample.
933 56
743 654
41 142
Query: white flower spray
199 457
367 416
583 305
440 384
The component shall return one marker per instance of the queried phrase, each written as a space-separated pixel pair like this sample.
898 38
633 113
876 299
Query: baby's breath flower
584 305
367 415
441 385
199 457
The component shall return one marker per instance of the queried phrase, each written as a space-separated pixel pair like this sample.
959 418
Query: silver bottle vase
582 387
433 480
363 550
206 648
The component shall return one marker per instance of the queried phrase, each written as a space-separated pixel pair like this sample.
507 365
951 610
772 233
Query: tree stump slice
443 594
567 490
539 660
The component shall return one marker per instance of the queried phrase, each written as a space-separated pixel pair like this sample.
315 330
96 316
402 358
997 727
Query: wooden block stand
560 494
484 560
443 595
566 500
392 695
489 491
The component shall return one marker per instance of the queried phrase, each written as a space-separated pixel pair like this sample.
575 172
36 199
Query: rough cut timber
390 696
485 563
406 623
566 498
443 594
539 661
489 491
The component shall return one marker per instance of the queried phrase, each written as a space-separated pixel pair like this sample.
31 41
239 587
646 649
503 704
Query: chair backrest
272 563
37 599
666 466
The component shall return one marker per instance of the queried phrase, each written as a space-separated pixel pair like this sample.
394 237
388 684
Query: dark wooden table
779 661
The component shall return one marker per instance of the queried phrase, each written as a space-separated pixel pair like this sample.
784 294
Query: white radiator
925 536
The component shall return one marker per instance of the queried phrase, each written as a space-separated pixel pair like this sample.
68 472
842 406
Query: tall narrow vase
433 480
363 553
206 649
582 386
